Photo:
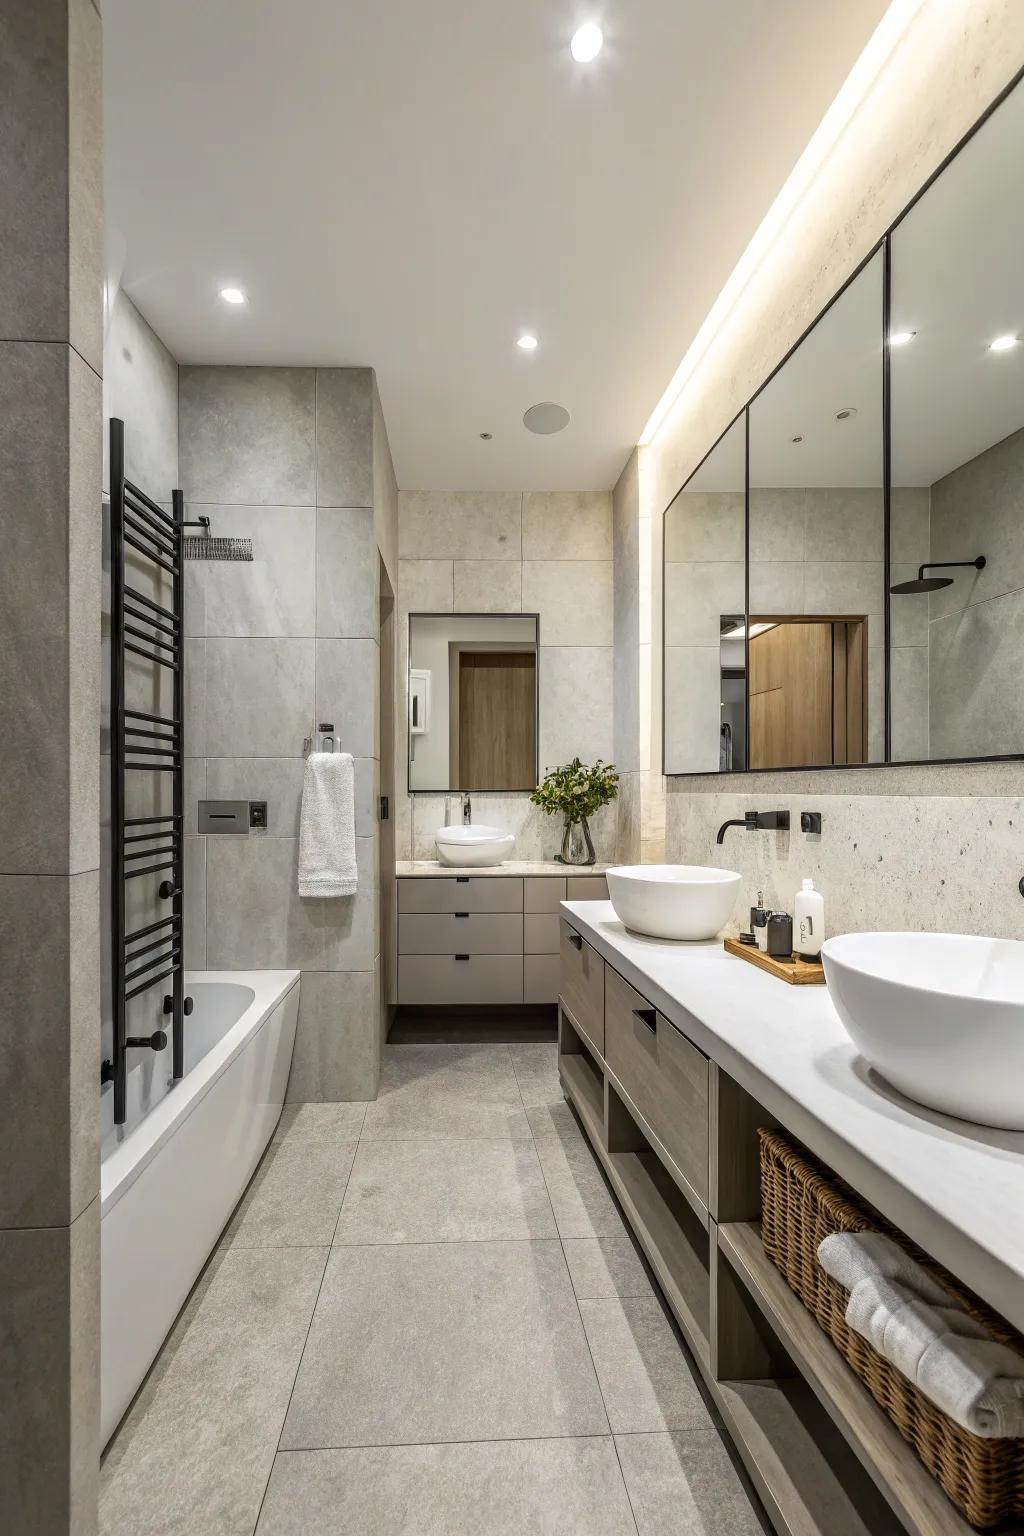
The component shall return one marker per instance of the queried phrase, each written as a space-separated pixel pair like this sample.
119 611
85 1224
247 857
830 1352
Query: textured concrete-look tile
536 1069
347 573
706 525
247 435
460 525
274 926
488 586
693 708
567 525
843 587
431 1092
603 1267
259 697
845 524
685 1483
575 695
697 596
336 1054
348 692
306 1124
196 1449
645 1376
573 599
344 437
426 586
141 385
445 1191
444 1341
583 1203
492 1488
273 595
294 1197
348 924
195 903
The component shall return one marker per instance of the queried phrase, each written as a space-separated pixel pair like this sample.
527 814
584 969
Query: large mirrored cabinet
844 572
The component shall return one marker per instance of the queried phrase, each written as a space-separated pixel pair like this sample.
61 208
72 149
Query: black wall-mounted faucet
757 821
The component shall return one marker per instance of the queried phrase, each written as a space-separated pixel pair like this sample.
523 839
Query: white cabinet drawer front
542 893
665 1076
587 888
582 984
540 933
428 979
540 978
452 933
469 893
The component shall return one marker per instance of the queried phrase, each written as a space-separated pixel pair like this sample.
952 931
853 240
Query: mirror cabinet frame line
458 615
884 245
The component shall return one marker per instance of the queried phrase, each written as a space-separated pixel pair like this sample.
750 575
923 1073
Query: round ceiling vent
546 418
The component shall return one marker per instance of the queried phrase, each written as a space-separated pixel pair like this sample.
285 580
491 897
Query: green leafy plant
576 790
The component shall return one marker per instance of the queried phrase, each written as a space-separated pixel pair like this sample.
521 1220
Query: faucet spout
777 821
723 829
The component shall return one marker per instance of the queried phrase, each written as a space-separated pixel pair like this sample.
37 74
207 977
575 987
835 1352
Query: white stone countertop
956 1188
433 869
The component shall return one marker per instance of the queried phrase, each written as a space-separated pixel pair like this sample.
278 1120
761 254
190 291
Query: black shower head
924 583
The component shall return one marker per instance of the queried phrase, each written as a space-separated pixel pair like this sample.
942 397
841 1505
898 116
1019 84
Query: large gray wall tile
195 903
697 596
259 696
274 594
247 435
575 704
347 572
349 924
385 492
488 586
426 586
256 918
567 525
140 385
344 437
85 408
573 599
278 780
85 221
336 1056
976 706
460 525
844 525
708 525
348 692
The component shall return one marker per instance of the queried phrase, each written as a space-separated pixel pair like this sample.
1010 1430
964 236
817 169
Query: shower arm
948 565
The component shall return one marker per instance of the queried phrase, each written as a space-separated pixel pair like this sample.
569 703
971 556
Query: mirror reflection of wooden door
808 693
497 719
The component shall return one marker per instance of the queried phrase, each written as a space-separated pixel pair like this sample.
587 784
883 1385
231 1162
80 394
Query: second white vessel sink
673 901
473 847
939 1015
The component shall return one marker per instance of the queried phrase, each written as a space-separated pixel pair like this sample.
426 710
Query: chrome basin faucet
467 811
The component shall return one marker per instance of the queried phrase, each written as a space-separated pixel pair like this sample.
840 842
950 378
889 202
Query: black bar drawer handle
462 957
575 941
461 879
461 914
648 1018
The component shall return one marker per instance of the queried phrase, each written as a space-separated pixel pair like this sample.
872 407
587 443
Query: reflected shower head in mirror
925 583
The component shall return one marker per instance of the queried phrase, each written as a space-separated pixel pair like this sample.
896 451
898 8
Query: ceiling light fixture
486 436
527 342
857 86
1003 343
798 439
900 338
847 413
232 295
587 42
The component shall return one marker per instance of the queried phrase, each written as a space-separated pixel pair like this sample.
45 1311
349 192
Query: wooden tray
799 973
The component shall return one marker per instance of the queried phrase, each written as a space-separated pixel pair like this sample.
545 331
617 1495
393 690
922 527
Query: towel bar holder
328 740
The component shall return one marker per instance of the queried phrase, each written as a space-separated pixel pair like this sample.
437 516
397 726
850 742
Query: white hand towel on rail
327 828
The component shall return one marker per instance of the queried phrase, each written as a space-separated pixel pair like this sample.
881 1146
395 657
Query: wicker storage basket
802 1204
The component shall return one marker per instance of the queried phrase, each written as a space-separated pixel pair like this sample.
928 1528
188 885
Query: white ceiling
409 185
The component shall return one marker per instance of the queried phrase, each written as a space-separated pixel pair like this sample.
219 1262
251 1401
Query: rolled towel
852 1256
327 826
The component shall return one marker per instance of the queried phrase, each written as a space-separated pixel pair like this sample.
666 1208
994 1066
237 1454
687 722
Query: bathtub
172 1175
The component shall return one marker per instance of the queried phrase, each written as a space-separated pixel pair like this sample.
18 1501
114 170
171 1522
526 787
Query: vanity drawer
540 978
466 893
542 893
664 1075
586 888
582 984
427 979
458 933
540 933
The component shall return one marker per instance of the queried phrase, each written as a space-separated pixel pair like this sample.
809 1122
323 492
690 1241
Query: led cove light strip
876 54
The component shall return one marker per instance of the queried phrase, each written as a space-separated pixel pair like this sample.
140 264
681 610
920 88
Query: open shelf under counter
917 1502
581 1078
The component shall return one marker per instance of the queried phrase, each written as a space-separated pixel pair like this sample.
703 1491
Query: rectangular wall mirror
957 367
473 696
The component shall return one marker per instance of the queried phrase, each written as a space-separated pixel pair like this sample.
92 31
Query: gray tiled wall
297 460
51 324
516 552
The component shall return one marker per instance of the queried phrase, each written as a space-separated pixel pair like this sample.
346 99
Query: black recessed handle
648 1018
462 957
461 879
575 941
460 914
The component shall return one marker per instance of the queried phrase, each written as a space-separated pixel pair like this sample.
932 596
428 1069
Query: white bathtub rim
124 1165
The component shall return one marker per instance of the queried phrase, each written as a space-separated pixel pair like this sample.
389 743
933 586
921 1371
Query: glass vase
577 846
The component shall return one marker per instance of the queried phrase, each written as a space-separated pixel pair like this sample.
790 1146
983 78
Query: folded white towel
327 828
929 1337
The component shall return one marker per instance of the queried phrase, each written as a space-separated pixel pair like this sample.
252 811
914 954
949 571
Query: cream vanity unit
673 1055
487 937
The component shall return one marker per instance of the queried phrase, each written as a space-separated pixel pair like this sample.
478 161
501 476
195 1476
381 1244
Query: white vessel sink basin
673 901
475 846
939 1015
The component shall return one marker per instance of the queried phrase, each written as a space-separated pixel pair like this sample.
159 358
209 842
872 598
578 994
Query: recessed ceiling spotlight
232 295
527 342
798 439
847 413
1003 343
486 436
587 42
900 338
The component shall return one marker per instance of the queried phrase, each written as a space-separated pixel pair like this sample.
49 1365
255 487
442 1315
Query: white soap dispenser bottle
809 922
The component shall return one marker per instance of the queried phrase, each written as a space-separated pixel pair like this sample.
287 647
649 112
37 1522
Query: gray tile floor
426 1318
